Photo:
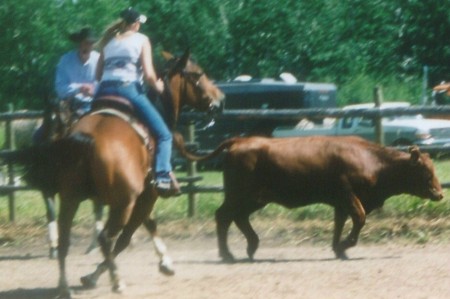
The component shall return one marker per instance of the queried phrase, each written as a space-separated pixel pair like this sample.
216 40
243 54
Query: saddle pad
134 123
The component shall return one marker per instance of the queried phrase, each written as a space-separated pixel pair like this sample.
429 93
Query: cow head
423 178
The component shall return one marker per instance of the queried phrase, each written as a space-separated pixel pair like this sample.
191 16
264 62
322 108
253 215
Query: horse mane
163 103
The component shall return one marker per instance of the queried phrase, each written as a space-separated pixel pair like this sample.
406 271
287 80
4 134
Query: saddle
122 108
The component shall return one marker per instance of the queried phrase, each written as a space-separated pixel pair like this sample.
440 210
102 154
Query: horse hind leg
90 281
165 261
140 211
118 217
98 226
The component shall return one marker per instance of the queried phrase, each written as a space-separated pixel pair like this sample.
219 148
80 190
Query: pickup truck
398 130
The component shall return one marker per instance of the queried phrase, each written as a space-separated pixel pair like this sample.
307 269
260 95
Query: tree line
352 43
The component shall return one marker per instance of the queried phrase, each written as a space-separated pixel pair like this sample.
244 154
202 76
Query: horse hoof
119 287
341 255
166 269
91 248
88 282
64 294
53 253
228 258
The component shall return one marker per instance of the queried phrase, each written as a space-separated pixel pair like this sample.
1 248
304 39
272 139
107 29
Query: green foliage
356 44
35 36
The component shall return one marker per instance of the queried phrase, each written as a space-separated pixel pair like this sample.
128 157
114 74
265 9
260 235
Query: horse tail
45 163
181 147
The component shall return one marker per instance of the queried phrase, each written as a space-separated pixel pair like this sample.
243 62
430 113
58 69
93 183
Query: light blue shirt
71 73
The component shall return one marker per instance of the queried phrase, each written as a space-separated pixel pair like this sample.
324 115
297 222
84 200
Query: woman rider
125 63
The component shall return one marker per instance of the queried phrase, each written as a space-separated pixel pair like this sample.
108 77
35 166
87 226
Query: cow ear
415 154
167 56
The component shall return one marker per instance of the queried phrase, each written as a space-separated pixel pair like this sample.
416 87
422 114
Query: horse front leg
67 212
165 261
49 201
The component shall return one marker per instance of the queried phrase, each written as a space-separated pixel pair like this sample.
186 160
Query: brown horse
103 158
58 119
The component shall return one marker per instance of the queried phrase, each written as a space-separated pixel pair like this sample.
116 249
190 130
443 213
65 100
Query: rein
167 96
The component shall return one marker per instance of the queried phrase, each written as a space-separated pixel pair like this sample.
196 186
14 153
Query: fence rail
191 187
298 114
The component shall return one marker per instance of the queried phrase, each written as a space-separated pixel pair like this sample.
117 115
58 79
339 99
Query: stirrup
168 189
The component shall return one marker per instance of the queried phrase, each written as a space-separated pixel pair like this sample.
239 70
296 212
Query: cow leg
243 223
52 225
224 217
67 212
340 217
358 215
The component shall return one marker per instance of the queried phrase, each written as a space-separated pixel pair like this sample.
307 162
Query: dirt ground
281 270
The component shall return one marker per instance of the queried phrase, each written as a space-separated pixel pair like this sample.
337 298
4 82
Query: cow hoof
53 253
166 269
88 282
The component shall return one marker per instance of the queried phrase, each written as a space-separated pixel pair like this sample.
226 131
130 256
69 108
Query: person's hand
87 89
159 86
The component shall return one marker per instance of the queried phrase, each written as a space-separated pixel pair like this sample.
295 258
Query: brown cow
349 173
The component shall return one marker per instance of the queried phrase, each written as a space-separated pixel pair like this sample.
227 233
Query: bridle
193 77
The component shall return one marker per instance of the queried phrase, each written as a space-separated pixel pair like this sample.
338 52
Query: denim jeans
148 114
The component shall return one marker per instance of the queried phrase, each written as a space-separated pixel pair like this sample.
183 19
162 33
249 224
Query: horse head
187 84
58 119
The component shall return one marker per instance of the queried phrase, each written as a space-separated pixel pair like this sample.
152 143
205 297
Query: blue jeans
151 118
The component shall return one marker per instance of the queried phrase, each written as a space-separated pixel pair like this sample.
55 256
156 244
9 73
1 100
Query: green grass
30 206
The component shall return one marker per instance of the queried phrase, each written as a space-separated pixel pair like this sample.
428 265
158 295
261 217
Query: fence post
10 145
192 172
378 99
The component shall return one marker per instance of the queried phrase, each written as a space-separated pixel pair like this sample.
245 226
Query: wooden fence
191 186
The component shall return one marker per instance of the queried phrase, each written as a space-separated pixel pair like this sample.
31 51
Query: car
398 130
262 95
247 93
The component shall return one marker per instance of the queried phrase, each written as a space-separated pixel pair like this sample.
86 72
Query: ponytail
111 32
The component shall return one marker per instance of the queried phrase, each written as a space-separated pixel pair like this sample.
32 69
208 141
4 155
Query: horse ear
167 56
182 62
415 154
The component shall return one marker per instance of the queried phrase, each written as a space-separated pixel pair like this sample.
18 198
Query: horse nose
216 107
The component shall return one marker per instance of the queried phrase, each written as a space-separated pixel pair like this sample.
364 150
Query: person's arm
68 84
63 86
148 69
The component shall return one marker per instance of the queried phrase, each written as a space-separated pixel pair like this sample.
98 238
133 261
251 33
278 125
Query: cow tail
181 147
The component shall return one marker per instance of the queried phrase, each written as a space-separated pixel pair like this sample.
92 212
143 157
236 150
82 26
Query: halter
193 77
189 76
